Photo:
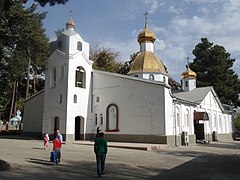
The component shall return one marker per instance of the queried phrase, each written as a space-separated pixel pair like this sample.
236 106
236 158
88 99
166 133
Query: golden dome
188 73
70 24
146 35
147 62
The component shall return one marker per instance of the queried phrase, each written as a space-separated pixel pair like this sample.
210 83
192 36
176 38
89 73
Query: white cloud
173 9
203 10
125 48
154 5
160 45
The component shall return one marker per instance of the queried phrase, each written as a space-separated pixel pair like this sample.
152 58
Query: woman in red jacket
57 147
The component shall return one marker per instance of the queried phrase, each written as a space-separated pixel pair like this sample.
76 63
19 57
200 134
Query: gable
212 100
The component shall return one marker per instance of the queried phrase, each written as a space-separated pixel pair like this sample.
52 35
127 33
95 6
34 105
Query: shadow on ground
76 170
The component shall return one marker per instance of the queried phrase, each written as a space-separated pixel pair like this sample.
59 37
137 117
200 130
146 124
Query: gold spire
189 73
146 35
70 23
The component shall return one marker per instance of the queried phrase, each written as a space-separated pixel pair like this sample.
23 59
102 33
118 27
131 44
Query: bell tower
67 84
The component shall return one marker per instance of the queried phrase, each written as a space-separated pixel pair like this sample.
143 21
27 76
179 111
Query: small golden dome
70 24
147 62
188 73
146 35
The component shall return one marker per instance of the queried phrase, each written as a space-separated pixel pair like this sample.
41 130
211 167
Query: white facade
78 99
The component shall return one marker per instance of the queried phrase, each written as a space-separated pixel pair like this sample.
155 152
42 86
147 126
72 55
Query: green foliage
21 37
105 60
213 66
51 2
125 67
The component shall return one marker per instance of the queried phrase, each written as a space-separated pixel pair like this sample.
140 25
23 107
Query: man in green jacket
100 149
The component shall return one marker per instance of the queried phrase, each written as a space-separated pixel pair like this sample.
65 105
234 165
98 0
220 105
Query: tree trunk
28 72
15 99
12 103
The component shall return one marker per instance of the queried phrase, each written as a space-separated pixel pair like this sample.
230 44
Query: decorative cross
146 15
70 12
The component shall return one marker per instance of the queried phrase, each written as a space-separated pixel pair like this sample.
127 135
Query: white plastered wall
140 103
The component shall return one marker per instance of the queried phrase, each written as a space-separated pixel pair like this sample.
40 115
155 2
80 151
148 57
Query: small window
53 77
97 99
136 76
151 77
60 98
79 46
164 79
75 98
96 119
62 72
186 83
101 118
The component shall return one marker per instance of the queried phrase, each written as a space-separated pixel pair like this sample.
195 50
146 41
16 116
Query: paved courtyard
28 160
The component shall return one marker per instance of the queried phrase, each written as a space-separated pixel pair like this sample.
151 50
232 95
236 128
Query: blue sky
178 24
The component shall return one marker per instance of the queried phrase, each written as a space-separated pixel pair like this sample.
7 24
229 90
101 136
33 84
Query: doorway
199 131
77 127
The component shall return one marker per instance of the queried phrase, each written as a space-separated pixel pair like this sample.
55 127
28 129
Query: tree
23 43
213 66
104 59
125 67
51 2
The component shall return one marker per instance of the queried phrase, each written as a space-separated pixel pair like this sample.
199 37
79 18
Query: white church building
138 107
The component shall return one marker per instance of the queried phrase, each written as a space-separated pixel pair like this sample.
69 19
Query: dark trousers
100 157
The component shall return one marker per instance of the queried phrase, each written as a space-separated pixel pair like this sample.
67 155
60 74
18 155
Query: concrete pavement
29 160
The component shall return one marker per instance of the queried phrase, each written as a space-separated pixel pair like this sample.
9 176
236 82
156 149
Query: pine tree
213 66
22 37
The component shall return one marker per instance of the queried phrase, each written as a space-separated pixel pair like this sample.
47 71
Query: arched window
164 79
80 77
215 120
220 122
96 119
177 117
112 118
53 76
151 77
186 83
97 99
186 119
79 46
75 98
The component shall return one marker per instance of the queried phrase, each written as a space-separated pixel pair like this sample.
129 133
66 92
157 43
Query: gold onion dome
189 73
147 62
70 23
146 35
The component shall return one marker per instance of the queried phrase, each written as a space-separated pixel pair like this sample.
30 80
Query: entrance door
56 123
77 128
199 131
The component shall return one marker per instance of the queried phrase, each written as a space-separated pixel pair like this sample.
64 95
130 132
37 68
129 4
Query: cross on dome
70 24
